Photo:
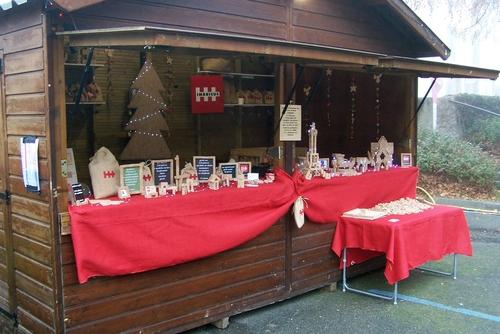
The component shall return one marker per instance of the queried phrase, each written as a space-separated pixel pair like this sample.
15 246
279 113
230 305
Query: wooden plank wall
333 115
340 23
219 132
22 37
180 297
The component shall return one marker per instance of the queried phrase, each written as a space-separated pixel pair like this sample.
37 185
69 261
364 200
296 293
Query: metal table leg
443 273
345 287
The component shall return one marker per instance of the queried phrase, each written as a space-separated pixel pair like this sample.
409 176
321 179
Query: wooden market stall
309 51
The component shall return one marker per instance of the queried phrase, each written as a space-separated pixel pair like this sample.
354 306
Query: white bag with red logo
147 177
105 173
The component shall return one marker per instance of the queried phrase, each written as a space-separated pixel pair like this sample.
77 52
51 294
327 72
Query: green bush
456 159
480 127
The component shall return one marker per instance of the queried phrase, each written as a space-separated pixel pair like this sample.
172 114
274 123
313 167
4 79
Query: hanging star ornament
329 72
377 77
170 60
353 88
307 90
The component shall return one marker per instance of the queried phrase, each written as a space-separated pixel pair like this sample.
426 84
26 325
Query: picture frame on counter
406 160
131 176
163 171
245 167
205 166
229 168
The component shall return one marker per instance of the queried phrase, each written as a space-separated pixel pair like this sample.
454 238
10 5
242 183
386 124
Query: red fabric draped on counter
327 199
412 241
144 234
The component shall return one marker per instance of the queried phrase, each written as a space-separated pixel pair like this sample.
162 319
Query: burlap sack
105 173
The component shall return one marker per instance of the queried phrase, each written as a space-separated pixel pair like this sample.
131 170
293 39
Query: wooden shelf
88 103
82 65
248 105
241 75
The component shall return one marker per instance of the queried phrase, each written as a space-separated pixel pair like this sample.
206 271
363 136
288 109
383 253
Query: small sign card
291 123
163 171
131 176
229 168
205 166
78 193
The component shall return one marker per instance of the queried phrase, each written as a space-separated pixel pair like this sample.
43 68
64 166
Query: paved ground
471 304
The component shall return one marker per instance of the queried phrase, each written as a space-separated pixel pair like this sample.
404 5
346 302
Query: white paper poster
291 123
29 163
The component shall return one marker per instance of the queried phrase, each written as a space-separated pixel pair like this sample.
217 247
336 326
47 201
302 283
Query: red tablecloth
328 199
144 234
407 244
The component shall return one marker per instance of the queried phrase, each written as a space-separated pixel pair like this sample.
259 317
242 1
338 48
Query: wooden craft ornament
123 192
150 192
240 180
214 182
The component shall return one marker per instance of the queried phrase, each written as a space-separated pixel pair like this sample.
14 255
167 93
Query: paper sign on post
291 123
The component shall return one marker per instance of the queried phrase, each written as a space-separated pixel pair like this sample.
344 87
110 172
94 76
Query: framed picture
205 166
163 171
324 163
245 167
406 160
229 168
131 176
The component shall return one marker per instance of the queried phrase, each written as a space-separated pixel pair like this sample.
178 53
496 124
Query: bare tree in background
468 18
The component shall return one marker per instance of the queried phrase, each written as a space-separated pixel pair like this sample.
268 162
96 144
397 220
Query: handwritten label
205 166
162 171
290 126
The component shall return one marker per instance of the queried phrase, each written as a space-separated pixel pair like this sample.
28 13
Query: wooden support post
221 323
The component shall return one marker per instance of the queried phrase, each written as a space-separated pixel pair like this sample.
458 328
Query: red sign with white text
207 94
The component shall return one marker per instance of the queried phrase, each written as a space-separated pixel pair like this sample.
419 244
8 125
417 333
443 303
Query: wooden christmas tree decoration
148 125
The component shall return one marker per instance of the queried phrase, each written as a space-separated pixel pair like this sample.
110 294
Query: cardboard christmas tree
148 127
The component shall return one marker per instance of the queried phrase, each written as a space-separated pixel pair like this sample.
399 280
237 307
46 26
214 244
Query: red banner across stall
326 200
144 234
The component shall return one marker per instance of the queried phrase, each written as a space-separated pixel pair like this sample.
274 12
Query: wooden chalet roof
395 12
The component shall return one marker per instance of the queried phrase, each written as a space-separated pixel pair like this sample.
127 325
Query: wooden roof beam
142 36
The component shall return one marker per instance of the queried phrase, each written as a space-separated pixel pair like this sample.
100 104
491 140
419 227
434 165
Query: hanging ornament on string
377 78
329 97
353 88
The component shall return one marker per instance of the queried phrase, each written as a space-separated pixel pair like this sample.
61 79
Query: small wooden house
310 51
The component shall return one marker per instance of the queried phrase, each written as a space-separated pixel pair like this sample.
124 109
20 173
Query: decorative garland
144 117
377 78
152 98
151 134
353 89
329 97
